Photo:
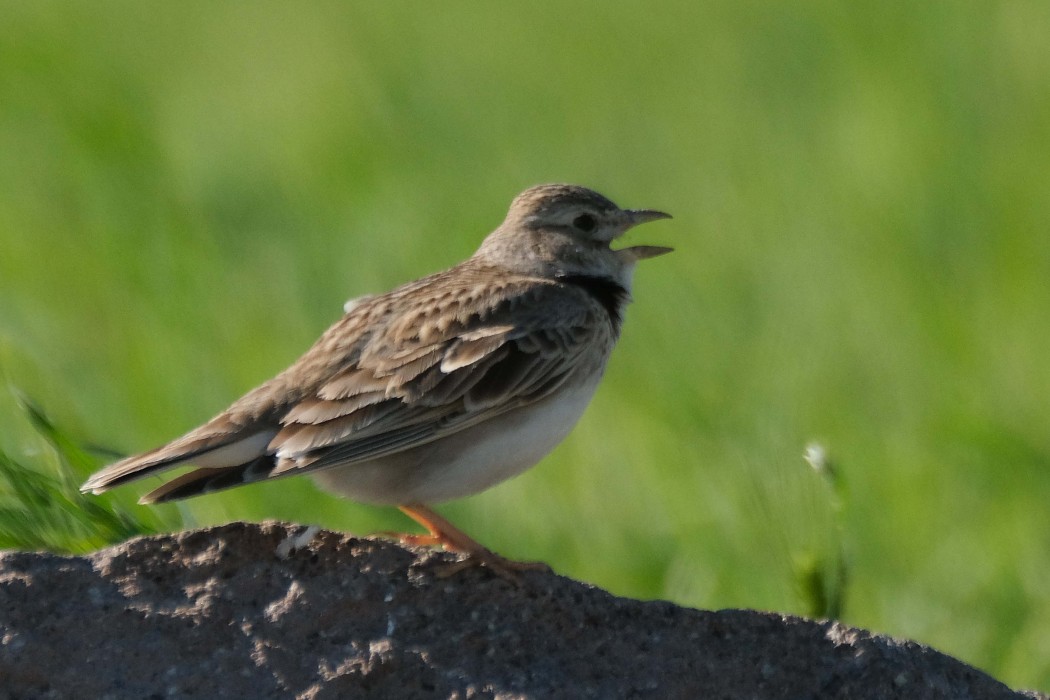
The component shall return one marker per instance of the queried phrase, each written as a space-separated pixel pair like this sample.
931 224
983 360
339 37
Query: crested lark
440 388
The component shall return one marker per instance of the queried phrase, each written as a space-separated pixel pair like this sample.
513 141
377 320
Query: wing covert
413 383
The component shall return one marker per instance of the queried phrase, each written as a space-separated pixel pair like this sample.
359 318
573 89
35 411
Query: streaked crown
555 230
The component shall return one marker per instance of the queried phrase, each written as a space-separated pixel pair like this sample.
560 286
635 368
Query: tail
214 453
209 480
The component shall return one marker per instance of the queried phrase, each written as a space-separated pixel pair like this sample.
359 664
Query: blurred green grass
189 192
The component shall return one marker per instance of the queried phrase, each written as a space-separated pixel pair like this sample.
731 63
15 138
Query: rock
216 613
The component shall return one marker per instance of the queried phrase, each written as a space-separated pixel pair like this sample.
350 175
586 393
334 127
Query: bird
440 388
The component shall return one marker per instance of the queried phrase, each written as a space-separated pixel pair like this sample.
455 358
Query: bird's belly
466 462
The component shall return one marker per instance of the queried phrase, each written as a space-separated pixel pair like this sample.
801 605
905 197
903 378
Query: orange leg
447 535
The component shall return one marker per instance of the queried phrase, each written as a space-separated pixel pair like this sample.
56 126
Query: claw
445 534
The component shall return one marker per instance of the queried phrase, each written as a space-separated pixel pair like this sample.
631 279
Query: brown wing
398 371
424 377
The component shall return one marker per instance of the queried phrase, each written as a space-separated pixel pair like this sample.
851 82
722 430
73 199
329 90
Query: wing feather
398 371
485 366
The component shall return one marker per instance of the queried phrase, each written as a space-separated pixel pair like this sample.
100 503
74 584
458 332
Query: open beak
643 216
641 252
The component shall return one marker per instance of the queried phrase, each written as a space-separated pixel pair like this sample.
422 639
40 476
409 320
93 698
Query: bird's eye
584 222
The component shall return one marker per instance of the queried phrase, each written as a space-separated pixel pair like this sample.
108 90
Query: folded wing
398 371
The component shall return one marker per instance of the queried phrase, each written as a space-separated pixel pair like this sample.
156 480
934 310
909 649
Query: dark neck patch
611 295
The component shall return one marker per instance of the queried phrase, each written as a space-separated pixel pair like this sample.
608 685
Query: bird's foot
444 534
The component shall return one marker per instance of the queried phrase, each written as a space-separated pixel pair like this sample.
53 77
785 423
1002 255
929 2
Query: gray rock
216 614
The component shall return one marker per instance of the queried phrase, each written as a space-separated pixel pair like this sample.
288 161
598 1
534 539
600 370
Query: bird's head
555 230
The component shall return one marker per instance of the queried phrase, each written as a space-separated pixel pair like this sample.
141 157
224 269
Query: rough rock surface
216 614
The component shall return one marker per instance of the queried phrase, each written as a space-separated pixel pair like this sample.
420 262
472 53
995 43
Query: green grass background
189 191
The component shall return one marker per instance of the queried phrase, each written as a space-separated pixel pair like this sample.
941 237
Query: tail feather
214 452
211 479
134 468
